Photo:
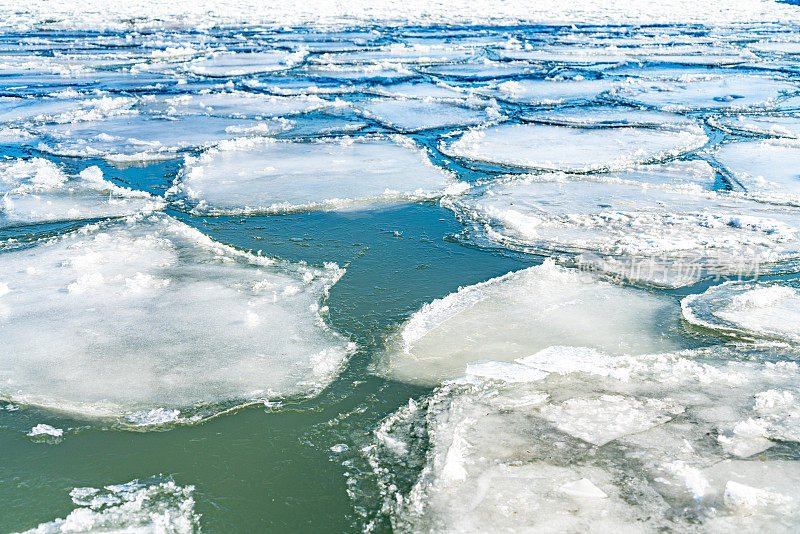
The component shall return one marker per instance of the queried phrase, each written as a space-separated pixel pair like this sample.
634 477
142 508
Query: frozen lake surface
415 267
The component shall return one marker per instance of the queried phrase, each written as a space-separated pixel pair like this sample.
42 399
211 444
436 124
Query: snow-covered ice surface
520 196
573 439
543 146
149 505
123 317
268 176
768 310
522 312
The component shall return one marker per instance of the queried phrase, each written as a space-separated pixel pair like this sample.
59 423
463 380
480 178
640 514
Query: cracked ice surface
542 146
572 439
146 313
268 176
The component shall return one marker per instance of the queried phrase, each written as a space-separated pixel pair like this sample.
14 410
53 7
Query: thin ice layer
268 176
571 439
151 505
146 313
767 170
36 190
238 104
145 138
549 92
729 92
543 146
761 309
416 115
664 235
244 64
514 315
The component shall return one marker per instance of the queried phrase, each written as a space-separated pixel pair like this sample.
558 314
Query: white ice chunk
582 116
664 235
36 190
416 115
548 91
757 309
137 506
520 313
149 313
46 430
767 170
732 92
238 104
774 125
544 146
244 64
264 175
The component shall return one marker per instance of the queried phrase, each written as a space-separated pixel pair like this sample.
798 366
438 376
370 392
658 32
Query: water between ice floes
415 278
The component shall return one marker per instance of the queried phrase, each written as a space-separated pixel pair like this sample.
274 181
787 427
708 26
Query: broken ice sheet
670 235
262 175
123 317
543 146
767 170
36 190
144 138
595 442
238 104
729 92
244 64
69 108
755 309
517 314
549 92
599 116
425 114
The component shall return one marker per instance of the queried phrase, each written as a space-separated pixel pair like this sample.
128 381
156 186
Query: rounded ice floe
423 90
262 175
238 104
767 170
760 309
570 439
666 235
138 318
149 505
425 114
244 64
601 116
731 92
145 138
773 125
72 108
550 92
36 190
543 146
401 53
522 312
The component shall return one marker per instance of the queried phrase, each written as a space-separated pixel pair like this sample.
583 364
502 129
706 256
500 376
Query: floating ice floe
543 146
36 190
768 170
760 309
143 138
152 505
571 439
776 47
668 235
238 104
425 114
45 430
602 116
550 92
121 319
522 312
773 125
485 70
268 176
401 53
423 90
63 109
244 64
584 55
729 92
